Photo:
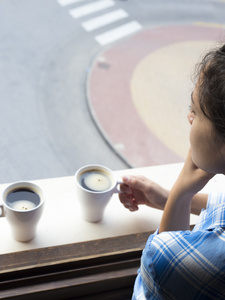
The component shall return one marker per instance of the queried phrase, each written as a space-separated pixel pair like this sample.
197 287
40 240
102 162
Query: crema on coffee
22 199
95 180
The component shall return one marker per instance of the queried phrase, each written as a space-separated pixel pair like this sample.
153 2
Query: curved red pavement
109 92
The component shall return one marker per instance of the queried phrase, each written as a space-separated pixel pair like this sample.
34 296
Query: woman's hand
191 179
177 210
139 190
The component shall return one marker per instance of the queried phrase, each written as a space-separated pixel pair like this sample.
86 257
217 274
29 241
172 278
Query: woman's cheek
195 144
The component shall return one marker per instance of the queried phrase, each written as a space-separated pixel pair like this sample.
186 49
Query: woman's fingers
125 189
128 201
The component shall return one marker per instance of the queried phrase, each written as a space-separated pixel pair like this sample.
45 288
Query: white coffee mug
22 206
95 186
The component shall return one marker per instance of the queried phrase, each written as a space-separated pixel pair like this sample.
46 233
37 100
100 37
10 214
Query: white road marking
91 8
67 2
105 19
118 33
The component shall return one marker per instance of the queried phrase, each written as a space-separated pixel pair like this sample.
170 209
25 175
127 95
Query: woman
178 263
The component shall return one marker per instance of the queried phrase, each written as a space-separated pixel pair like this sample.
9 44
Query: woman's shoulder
187 258
164 249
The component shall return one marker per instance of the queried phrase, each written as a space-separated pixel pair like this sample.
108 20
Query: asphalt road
46 129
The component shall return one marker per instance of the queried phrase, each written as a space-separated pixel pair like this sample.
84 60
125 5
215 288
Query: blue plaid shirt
186 264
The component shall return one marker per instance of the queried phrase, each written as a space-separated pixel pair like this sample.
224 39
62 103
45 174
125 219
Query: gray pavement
45 58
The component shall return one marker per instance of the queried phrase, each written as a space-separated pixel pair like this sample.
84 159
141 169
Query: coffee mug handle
2 211
117 189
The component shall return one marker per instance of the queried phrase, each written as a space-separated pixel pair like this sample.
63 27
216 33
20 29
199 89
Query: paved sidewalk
139 91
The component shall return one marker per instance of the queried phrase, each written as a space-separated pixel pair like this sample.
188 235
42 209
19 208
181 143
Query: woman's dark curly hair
211 88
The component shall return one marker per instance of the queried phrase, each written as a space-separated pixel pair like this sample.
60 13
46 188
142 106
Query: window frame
98 269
